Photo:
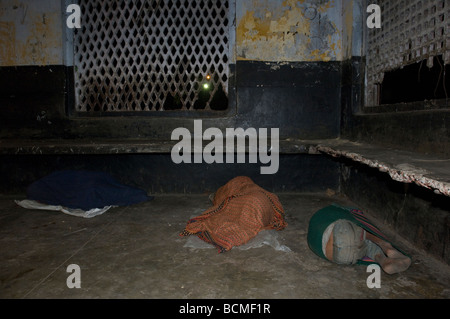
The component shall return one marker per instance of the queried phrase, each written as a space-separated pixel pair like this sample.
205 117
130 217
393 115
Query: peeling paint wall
30 32
291 30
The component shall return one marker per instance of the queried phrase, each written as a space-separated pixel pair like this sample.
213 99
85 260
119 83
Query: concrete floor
135 252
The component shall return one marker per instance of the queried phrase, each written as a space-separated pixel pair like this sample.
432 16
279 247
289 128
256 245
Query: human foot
393 265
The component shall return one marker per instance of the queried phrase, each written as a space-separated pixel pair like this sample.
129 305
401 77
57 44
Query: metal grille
412 31
138 55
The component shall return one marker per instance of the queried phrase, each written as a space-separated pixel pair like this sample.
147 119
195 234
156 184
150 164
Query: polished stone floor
136 252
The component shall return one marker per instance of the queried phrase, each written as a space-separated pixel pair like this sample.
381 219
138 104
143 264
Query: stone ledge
121 146
424 170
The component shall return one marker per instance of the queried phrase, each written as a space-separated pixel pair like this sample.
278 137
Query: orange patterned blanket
241 209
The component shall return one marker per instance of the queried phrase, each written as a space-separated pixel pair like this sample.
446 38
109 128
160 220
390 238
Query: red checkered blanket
241 209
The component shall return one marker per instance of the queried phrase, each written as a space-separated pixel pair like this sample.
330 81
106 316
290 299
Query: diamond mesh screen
412 31
137 55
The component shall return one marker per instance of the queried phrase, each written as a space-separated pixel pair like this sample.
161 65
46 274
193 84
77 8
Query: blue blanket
84 190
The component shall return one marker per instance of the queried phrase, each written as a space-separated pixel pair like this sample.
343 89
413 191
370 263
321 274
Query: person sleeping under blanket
240 210
346 236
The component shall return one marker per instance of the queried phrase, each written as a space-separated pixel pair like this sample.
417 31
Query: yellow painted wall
291 30
31 32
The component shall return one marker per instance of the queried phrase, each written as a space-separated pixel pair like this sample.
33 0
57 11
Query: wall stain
30 33
295 31
7 39
266 30
41 40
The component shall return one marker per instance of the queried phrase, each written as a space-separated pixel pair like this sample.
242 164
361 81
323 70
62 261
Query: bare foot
393 265
395 254
395 261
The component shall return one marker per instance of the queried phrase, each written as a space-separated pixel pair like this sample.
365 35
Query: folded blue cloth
84 190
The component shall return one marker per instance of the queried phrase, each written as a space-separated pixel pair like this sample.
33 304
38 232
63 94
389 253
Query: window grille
411 31
152 55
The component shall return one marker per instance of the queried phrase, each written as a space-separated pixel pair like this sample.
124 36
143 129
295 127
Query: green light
206 86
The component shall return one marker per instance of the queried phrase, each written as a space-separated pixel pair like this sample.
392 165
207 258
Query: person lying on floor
240 210
345 236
